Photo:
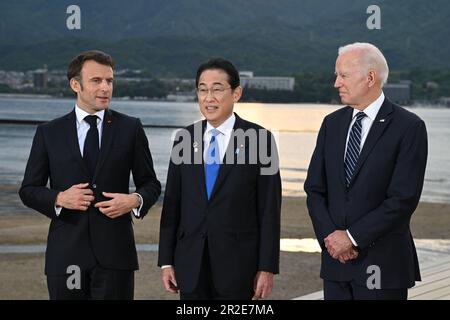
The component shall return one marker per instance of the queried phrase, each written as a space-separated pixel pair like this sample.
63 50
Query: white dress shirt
225 129
82 130
371 112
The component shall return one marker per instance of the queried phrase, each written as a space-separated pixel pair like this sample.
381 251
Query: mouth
103 99
211 108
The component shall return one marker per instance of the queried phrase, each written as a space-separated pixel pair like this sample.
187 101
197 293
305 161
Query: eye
216 90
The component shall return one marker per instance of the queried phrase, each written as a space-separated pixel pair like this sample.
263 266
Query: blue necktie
353 148
91 144
212 163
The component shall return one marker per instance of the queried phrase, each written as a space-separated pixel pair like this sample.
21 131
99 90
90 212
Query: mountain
170 38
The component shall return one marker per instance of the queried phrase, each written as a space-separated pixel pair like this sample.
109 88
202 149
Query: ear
237 93
371 78
75 85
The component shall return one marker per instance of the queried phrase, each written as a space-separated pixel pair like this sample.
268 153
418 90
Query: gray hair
372 58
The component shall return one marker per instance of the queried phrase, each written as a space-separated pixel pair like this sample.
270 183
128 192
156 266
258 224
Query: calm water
295 127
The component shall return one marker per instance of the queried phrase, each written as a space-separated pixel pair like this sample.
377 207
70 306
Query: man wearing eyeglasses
220 223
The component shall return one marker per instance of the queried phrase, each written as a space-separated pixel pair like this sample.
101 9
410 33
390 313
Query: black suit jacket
377 206
87 238
241 221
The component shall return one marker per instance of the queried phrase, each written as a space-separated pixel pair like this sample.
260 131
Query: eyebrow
214 83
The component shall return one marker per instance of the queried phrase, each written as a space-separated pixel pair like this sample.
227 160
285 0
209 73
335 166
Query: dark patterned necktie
353 148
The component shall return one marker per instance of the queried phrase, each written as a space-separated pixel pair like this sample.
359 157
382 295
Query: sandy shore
22 275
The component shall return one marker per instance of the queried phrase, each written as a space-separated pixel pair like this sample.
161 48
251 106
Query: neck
370 98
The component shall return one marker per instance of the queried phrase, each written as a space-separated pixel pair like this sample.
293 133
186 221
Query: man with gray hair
364 183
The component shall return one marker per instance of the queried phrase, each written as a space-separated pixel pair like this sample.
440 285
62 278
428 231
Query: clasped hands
340 247
79 197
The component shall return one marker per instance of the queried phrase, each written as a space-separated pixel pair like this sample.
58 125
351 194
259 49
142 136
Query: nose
337 83
104 86
209 96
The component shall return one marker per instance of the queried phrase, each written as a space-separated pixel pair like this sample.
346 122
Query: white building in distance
267 83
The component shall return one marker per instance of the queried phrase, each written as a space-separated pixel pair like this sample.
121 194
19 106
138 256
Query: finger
107 210
109 194
167 286
114 215
88 198
104 204
81 185
88 192
257 294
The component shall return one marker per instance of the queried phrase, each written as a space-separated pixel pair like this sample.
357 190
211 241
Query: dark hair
76 64
220 64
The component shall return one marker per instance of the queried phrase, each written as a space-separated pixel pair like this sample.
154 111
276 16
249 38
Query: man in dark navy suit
88 156
220 224
364 183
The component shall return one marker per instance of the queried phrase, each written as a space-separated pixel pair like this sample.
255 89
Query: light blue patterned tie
353 148
212 163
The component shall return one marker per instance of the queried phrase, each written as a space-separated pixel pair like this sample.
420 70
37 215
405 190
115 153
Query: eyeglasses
216 92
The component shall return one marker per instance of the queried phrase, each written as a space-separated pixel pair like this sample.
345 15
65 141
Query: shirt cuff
58 210
351 238
166 266
137 211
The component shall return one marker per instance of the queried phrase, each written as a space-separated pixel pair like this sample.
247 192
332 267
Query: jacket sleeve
269 210
170 216
317 191
144 176
34 192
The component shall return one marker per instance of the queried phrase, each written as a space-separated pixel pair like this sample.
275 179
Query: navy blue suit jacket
241 220
89 238
377 206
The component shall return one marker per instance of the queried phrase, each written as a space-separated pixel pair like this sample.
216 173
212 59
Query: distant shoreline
414 104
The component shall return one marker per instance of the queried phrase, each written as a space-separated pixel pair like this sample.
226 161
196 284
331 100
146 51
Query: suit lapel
342 140
107 137
74 146
379 125
199 167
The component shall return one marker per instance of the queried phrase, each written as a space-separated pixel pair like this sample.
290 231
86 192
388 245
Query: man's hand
351 254
168 280
262 285
119 204
77 197
338 243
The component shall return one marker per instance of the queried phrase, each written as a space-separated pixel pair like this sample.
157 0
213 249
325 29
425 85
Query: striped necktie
353 148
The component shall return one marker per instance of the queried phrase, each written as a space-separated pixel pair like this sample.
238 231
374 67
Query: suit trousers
206 290
95 284
349 290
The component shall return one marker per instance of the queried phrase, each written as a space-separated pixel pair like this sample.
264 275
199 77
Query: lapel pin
382 120
195 145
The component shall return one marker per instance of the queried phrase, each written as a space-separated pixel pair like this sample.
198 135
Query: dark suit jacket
241 221
377 206
85 238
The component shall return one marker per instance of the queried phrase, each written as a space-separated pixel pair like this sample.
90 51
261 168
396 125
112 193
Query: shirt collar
372 109
225 128
81 114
